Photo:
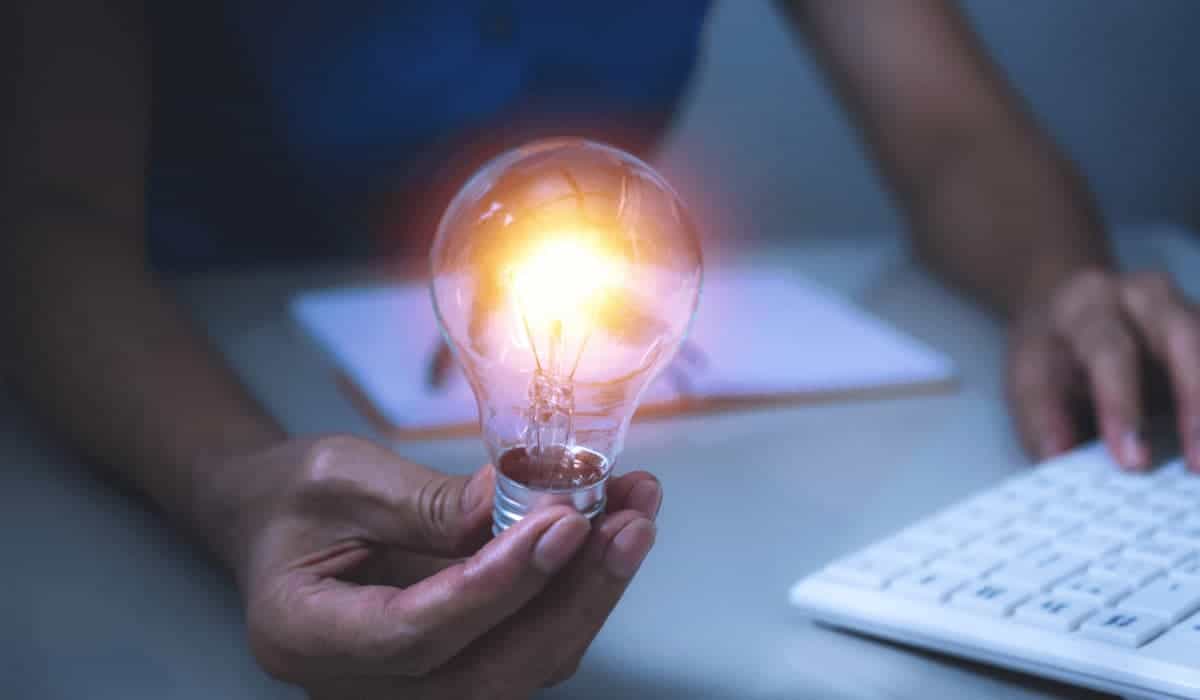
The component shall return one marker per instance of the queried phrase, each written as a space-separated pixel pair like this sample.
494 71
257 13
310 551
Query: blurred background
1114 81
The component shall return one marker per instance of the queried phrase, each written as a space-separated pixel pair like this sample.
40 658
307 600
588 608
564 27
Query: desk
99 600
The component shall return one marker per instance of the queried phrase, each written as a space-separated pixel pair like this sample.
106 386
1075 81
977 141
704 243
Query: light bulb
564 276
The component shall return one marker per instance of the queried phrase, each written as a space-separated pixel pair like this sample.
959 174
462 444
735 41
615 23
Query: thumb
398 503
440 514
452 514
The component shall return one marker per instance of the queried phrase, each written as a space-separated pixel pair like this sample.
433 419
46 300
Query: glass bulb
565 275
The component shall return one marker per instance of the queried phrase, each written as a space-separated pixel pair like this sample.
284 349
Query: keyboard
1073 570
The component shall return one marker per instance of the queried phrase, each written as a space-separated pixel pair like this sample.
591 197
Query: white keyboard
1074 571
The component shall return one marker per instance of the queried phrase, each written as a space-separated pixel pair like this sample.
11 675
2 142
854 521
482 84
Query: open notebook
759 336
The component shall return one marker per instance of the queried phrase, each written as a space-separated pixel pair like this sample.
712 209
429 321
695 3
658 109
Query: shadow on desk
1043 686
598 680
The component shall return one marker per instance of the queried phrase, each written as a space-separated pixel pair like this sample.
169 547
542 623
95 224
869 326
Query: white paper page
757 332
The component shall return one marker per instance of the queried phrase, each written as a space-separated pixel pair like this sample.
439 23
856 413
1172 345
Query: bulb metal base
514 501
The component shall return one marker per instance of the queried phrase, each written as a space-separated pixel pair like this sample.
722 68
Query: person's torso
279 128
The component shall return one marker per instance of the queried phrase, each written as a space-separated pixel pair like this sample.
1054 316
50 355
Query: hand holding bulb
367 576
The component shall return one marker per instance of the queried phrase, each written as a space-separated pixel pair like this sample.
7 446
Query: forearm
1004 217
991 203
101 351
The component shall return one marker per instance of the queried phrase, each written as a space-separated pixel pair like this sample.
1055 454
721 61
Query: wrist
229 490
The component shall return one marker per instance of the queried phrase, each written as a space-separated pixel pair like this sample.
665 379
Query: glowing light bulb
565 275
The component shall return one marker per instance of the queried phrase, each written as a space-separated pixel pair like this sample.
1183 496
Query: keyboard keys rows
1039 570
1109 555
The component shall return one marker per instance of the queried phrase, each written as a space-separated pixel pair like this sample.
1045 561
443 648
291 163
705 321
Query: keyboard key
1161 553
1128 482
944 533
1048 486
1039 570
1025 493
1091 507
1090 462
1054 612
966 564
1012 499
1187 570
1106 499
864 571
1188 520
1188 485
1162 510
1009 543
978 516
1064 478
905 550
1167 598
1088 544
1098 590
1171 471
1134 572
1180 645
1122 628
927 585
989 598
1067 510
1184 536
1123 527
1047 525
1167 501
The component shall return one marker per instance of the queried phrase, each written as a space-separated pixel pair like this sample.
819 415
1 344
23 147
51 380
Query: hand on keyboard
1085 341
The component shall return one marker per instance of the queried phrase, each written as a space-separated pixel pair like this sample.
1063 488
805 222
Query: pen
439 364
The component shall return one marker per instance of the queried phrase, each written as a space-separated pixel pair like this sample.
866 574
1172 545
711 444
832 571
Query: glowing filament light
564 276
556 291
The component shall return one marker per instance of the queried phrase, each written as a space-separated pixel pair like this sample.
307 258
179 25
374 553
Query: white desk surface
99 599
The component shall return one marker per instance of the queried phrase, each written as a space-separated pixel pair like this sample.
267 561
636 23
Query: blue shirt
282 128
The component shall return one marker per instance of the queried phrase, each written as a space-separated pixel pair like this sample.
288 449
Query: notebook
759 336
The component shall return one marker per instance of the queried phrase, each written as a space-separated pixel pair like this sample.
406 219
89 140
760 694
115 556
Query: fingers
643 494
1171 329
1090 320
1039 394
638 491
381 630
544 644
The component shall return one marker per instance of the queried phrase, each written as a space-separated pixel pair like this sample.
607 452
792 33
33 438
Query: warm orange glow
560 285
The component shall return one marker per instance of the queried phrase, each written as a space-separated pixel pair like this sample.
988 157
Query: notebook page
757 333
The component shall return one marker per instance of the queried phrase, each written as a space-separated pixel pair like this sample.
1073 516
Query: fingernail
1133 454
559 543
646 498
476 490
629 548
